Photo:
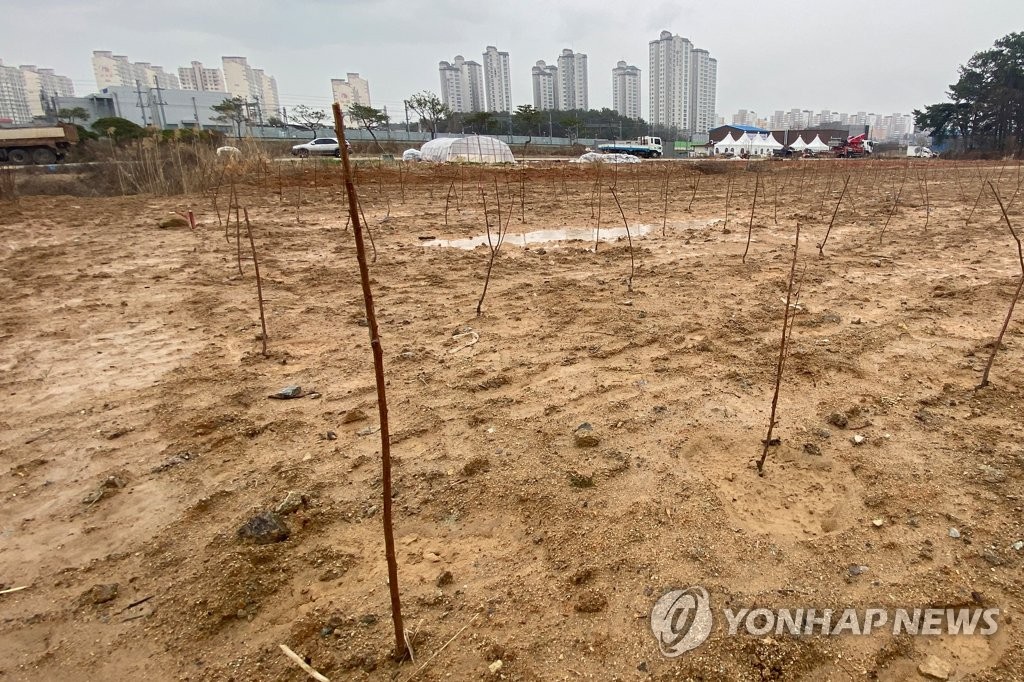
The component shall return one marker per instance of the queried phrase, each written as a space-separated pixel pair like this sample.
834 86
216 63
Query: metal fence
412 137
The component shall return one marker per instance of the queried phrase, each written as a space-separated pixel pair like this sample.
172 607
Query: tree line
985 111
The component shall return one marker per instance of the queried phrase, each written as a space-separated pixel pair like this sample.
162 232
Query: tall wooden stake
750 225
821 246
783 349
259 283
382 401
1016 295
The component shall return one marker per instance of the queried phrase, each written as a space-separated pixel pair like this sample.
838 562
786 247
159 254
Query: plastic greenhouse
472 148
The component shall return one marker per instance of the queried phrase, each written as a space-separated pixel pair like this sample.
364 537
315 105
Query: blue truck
644 147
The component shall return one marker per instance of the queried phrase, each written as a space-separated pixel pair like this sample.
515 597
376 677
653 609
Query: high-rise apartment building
198 77
703 91
350 90
545 86
683 85
44 87
14 106
572 81
115 70
497 80
462 85
252 85
669 77
270 102
626 90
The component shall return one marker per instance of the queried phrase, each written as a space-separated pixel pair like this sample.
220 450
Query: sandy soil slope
137 435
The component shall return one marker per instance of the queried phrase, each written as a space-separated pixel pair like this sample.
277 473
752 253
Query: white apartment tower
684 85
14 107
703 91
669 77
115 70
497 80
462 85
252 85
572 81
269 100
198 77
626 90
350 90
545 86
44 85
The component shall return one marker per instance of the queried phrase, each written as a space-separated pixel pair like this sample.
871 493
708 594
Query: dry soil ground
137 435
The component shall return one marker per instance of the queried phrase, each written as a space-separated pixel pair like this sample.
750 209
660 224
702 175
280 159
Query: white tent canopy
726 144
798 144
817 145
473 148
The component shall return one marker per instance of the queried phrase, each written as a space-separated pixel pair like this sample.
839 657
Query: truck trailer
645 147
39 145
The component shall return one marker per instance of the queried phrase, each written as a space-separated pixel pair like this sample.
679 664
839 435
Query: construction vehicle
644 147
853 148
22 146
920 152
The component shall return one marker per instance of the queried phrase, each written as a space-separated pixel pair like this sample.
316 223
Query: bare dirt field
137 435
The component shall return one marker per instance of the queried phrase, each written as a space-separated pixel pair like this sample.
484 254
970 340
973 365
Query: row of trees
986 107
434 116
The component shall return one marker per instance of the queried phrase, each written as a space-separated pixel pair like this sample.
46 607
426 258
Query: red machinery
854 147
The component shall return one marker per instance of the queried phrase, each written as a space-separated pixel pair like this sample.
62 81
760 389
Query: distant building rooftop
746 129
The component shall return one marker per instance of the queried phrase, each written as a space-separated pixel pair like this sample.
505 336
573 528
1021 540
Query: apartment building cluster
235 78
683 84
894 126
561 86
26 92
469 86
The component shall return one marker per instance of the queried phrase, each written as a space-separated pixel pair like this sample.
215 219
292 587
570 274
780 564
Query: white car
321 146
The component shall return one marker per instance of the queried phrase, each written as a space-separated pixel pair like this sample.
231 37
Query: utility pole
551 128
138 91
406 103
259 111
159 102
195 110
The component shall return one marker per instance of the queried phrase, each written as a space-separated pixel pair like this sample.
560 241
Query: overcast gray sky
871 55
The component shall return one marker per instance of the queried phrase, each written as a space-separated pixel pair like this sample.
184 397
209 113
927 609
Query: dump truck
645 147
40 145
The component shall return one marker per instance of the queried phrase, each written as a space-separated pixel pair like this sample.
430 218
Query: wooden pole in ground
382 402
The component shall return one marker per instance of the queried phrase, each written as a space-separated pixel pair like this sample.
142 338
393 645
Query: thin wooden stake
821 246
306 668
750 225
664 212
783 345
632 262
1016 295
382 403
259 283
693 196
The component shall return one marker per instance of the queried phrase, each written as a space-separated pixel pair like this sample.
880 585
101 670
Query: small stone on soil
264 529
585 436
838 419
935 668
